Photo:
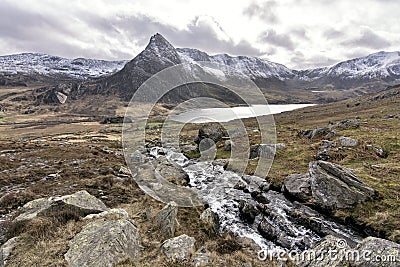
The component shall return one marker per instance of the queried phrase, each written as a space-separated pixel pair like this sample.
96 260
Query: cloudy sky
298 33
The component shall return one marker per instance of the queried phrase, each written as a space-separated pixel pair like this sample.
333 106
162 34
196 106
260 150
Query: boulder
80 202
179 248
319 132
265 150
247 212
166 219
298 186
378 248
347 141
378 151
323 155
228 145
171 171
104 243
211 219
268 230
255 185
6 250
345 124
214 132
335 187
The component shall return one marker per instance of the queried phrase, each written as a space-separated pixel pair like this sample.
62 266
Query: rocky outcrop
171 171
335 187
80 202
328 186
166 219
179 248
329 131
104 243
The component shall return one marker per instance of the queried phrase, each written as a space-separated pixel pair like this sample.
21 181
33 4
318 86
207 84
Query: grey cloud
264 11
277 39
332 34
367 39
299 61
300 33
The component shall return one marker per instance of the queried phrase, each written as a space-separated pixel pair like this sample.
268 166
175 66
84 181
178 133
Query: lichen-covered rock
298 186
80 202
104 243
166 219
179 248
6 250
347 141
171 171
211 219
201 258
335 187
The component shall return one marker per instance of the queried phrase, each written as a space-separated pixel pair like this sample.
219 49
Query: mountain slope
53 65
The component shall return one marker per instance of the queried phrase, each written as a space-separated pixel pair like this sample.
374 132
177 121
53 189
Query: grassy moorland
46 154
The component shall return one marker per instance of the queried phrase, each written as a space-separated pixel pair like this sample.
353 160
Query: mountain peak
159 41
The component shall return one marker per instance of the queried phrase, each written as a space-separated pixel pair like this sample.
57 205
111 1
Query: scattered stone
298 186
324 132
345 124
255 185
80 202
171 171
335 187
378 248
378 151
348 142
179 248
114 120
6 250
104 243
323 155
214 132
124 171
268 230
228 145
265 150
247 212
211 219
201 258
326 144
109 214
166 219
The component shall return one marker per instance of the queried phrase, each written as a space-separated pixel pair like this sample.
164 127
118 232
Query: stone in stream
247 211
171 171
298 186
166 219
80 202
104 243
179 248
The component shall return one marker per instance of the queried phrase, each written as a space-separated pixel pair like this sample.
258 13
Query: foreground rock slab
166 219
104 243
80 202
179 248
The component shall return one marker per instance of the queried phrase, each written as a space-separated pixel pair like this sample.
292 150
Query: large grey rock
347 141
171 171
166 219
213 131
378 151
6 250
179 248
345 124
378 248
80 202
265 150
211 219
319 132
335 187
298 186
104 243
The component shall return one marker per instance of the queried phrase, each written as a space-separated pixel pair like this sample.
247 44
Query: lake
228 114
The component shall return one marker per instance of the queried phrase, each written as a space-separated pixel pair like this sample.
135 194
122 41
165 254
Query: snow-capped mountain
53 65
